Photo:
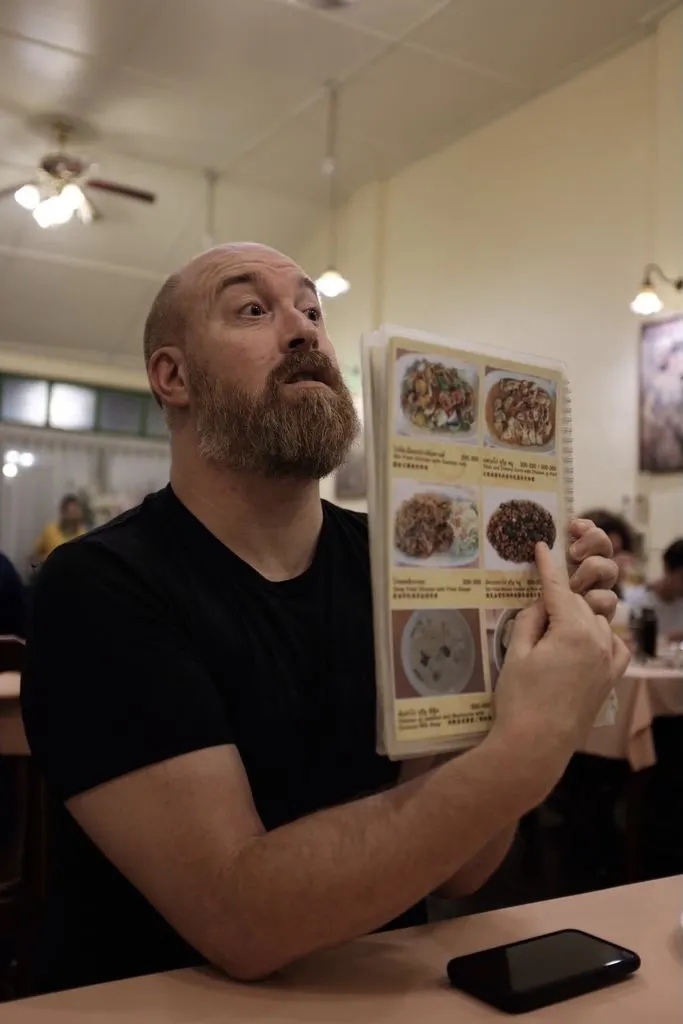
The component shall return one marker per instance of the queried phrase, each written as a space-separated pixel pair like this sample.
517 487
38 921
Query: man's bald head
167 320
238 356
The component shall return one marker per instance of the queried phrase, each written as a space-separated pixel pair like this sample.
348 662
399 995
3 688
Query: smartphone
540 971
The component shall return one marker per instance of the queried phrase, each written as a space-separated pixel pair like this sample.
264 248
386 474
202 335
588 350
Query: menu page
475 478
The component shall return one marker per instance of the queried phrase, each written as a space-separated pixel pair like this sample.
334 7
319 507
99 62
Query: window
119 412
24 401
83 407
155 421
72 407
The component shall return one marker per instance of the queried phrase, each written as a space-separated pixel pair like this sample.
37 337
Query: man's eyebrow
307 282
255 280
235 279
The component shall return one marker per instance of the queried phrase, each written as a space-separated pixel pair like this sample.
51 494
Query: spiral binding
567 449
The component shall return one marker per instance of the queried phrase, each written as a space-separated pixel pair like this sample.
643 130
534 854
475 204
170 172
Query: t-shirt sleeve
42 544
111 683
12 601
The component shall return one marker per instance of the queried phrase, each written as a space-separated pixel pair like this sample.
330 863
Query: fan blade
122 190
11 189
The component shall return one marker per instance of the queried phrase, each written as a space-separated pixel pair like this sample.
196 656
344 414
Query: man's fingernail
575 550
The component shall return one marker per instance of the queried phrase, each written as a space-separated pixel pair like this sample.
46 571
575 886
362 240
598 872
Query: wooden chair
22 884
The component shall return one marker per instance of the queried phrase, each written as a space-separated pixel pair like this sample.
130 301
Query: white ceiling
171 87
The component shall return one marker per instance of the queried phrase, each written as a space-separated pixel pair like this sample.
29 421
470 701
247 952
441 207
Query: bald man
200 686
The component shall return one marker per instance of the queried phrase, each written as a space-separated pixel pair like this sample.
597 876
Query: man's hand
593 574
592 570
562 662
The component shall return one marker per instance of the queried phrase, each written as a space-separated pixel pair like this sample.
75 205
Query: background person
69 526
665 595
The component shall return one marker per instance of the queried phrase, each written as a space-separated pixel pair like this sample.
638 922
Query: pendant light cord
210 212
331 166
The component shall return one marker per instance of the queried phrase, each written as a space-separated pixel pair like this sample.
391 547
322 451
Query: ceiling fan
59 189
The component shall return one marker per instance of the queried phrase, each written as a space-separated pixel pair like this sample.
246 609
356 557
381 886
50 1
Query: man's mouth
308 377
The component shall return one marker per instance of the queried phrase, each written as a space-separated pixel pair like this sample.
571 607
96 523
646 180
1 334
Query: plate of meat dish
520 412
437 397
438 527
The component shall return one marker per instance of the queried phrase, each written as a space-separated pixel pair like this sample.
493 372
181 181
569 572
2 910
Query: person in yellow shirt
69 526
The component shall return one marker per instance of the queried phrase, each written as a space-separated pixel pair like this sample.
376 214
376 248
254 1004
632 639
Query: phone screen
559 965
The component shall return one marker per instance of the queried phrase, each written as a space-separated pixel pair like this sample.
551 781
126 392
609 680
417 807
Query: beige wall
532 234
14 360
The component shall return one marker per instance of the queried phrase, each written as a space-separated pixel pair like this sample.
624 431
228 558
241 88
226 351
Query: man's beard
303 435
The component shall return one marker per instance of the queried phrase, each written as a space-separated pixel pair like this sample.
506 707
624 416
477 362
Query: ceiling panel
390 18
291 158
532 42
33 77
262 47
411 102
245 213
153 120
48 304
96 27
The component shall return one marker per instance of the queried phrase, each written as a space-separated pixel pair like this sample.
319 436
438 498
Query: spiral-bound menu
470 465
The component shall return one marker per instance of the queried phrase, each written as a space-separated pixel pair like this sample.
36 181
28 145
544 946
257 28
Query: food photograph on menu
437 653
499 626
435 525
520 412
436 397
516 521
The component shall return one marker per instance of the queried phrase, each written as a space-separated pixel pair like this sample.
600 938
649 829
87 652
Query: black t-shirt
150 639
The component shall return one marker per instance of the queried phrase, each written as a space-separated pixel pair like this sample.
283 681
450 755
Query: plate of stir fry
437 396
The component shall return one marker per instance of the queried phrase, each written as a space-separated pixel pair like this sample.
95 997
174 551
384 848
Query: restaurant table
12 736
31 852
646 692
398 977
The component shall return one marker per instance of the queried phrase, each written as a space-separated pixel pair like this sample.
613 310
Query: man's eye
314 314
253 309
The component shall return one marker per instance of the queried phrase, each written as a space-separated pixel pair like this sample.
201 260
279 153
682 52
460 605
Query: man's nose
301 333
305 342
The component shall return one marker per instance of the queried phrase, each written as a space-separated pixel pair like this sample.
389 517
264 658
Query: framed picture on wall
661 396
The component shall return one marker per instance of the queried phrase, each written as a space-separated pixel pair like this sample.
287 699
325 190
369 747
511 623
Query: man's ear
167 373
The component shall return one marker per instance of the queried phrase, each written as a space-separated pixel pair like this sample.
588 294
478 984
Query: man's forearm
470 876
477 871
347 871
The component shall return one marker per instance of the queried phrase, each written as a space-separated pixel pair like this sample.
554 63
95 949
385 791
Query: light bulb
647 302
9 469
12 456
53 212
85 213
331 284
73 196
27 196
26 459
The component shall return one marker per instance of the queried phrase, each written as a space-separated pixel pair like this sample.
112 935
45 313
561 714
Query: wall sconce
647 302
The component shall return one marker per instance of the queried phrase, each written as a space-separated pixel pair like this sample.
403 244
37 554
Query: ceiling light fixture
15 459
59 190
647 302
60 207
331 283
28 196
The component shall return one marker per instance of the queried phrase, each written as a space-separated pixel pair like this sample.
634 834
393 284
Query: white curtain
67 463
134 472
